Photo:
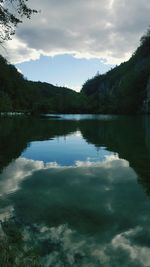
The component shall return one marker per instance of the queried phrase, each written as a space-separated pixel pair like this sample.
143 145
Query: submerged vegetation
38 246
70 214
77 212
13 251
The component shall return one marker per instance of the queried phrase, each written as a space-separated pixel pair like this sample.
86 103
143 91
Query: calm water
80 187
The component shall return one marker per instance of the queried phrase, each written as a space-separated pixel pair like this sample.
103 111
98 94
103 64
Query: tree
11 14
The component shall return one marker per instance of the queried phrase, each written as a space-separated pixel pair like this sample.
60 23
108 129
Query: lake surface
78 188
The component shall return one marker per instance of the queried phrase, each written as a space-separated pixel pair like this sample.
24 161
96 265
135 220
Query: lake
76 188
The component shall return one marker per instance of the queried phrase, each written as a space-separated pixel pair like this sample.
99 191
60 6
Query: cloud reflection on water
21 168
95 210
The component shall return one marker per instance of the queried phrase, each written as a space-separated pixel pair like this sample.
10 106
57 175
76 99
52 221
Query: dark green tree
11 14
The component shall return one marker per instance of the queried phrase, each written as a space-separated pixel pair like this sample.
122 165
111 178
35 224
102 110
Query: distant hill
19 94
124 89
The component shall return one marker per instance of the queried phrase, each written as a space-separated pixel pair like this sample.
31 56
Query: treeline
19 94
123 89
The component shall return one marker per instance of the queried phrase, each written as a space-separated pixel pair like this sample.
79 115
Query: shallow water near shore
77 189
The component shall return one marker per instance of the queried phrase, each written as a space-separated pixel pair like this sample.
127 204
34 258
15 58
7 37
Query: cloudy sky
70 41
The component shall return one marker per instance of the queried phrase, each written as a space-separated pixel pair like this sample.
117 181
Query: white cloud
16 172
68 246
123 249
17 51
110 161
107 29
123 245
136 252
21 168
6 213
19 70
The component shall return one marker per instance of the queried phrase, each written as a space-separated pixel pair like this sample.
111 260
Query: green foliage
11 14
122 89
144 48
18 94
5 102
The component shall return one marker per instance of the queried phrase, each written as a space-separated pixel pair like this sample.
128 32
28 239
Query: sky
69 41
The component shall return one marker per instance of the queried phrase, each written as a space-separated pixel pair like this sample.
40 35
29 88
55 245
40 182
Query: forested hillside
19 94
124 89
